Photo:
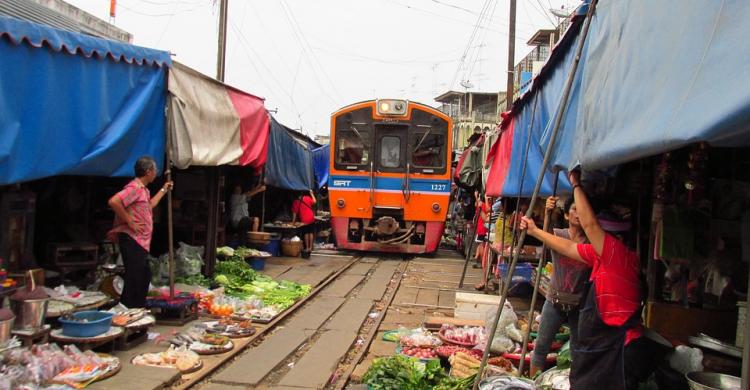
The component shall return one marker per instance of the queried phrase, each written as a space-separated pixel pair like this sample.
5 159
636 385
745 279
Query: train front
390 176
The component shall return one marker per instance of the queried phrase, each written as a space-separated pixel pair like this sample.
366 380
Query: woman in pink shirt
133 227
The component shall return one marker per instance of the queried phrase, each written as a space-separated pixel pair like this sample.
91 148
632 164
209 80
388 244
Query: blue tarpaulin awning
289 163
649 83
71 104
321 159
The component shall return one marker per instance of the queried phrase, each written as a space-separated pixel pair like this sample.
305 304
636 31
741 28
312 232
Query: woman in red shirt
610 309
302 208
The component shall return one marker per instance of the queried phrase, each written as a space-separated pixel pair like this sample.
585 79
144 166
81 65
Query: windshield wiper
354 129
421 140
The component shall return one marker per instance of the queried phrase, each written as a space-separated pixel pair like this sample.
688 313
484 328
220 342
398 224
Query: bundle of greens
194 280
285 294
239 280
401 372
236 276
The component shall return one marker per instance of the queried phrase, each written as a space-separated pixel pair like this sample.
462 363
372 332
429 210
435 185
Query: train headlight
436 207
391 107
340 203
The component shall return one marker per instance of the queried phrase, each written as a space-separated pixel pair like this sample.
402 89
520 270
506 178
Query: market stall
445 353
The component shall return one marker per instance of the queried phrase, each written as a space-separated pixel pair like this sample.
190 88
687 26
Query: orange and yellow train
390 175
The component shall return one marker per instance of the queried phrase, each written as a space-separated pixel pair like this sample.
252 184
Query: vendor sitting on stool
611 353
240 218
302 209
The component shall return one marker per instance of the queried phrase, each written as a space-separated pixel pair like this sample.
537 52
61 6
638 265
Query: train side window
427 149
390 152
353 148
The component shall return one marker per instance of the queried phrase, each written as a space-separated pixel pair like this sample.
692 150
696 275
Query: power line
297 36
453 6
481 45
477 25
245 43
159 15
310 50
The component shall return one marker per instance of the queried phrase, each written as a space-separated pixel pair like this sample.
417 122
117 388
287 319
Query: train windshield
390 152
427 149
353 146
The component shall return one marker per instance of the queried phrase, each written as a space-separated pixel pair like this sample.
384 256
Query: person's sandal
479 286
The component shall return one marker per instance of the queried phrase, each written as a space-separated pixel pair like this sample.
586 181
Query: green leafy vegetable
401 372
225 251
194 280
563 356
450 383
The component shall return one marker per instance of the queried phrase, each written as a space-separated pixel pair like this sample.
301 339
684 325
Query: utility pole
215 177
222 47
509 89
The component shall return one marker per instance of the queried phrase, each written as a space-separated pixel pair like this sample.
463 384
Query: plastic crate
522 273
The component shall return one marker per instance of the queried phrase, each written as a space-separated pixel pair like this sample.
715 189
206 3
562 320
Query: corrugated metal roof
37 13
38 35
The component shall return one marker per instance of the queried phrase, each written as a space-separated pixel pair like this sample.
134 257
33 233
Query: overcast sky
308 58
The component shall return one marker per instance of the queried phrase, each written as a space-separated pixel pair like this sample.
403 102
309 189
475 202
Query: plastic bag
188 260
159 269
685 359
502 341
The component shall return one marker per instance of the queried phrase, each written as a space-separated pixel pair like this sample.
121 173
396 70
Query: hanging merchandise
470 174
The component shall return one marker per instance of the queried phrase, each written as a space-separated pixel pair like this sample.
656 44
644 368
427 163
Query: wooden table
94 306
30 337
134 334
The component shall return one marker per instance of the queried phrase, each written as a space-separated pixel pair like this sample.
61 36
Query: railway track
200 378
319 342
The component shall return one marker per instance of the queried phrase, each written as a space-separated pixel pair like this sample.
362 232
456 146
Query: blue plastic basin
257 263
97 322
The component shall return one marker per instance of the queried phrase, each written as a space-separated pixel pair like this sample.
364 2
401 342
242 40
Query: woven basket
259 236
291 248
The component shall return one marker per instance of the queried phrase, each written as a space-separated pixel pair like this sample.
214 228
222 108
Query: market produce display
502 363
554 379
401 372
128 316
194 280
463 365
505 383
467 336
230 328
419 352
46 364
211 344
446 351
257 297
180 358
418 338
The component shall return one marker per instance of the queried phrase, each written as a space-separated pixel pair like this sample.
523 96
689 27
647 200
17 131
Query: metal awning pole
472 237
170 224
537 187
263 201
539 268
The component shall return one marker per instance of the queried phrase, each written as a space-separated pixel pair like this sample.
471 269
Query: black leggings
137 272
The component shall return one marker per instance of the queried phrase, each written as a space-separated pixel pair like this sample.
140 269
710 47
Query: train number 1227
439 187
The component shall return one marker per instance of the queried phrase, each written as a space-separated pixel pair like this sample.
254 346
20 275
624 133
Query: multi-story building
472 112
543 41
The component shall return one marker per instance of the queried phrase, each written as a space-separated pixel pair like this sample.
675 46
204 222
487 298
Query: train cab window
427 149
390 152
353 147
